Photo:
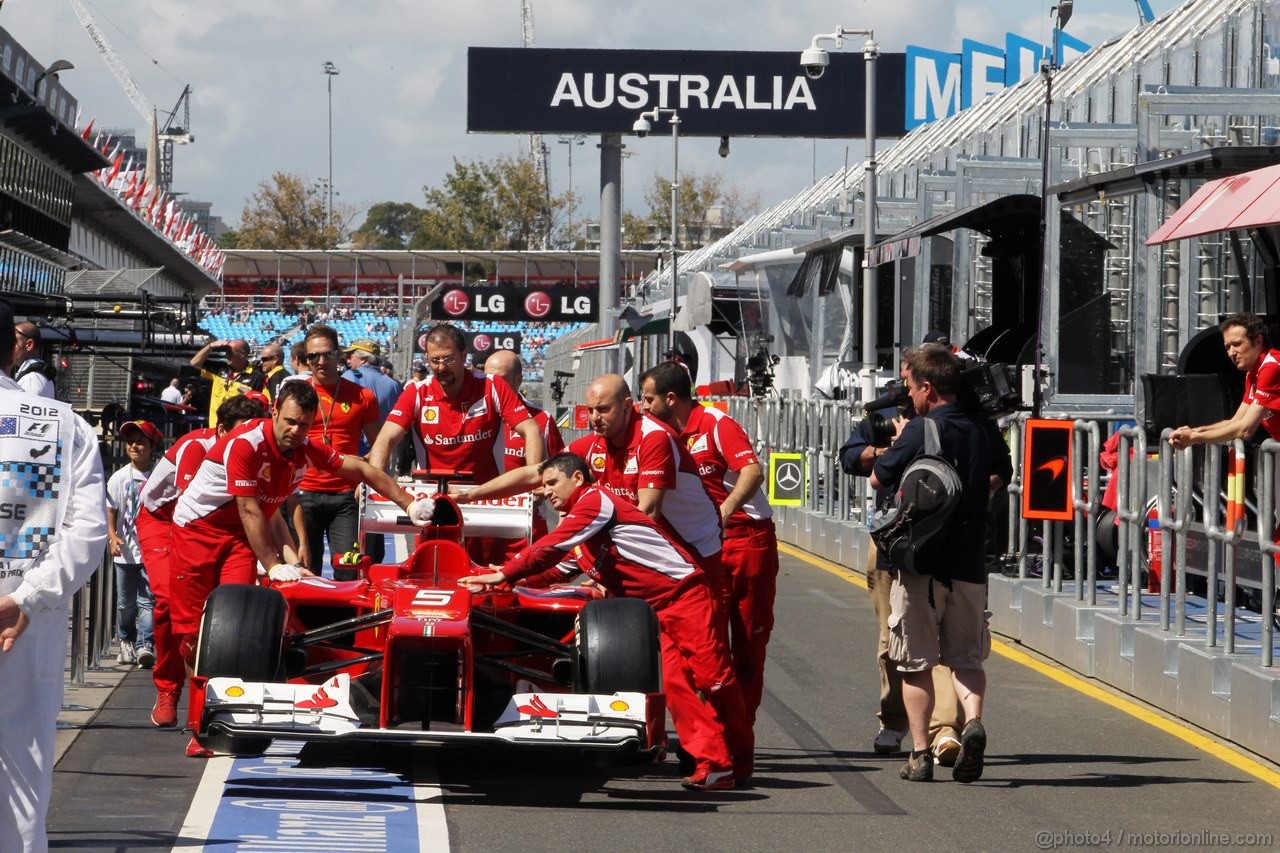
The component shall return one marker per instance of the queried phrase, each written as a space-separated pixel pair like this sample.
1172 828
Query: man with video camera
941 617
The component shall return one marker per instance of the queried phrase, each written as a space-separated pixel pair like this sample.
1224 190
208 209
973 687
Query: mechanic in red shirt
159 496
228 521
1248 345
732 475
506 365
621 547
347 412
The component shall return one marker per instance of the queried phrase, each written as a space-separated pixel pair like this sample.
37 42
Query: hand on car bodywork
282 572
480 583
421 510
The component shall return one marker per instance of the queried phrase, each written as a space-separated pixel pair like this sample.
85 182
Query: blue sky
399 102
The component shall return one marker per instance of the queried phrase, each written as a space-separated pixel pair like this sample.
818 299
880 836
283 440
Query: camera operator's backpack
912 532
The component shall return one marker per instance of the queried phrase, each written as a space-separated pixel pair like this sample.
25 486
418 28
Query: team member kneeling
227 520
625 550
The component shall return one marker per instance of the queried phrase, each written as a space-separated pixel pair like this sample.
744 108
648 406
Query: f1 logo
455 302
537 304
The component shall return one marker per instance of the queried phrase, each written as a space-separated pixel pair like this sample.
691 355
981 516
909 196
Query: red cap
148 430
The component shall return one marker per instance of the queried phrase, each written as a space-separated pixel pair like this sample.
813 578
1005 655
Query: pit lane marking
199 819
1187 735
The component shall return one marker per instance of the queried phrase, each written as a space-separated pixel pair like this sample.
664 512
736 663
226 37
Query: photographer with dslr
940 617
870 439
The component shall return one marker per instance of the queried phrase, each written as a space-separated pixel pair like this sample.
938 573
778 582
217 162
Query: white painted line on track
199 819
433 826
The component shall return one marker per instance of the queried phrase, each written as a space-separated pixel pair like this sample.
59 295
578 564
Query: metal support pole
610 235
675 188
870 51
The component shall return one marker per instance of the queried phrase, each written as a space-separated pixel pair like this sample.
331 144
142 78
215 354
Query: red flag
115 168
88 128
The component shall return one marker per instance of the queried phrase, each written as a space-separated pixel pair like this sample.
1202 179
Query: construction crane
537 148
171 132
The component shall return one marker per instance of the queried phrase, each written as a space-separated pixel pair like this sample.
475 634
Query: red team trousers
750 560
154 539
210 557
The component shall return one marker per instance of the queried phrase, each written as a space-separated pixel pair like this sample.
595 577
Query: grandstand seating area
259 327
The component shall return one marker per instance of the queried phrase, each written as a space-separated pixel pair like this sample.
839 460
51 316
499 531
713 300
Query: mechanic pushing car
228 517
622 548
732 475
459 415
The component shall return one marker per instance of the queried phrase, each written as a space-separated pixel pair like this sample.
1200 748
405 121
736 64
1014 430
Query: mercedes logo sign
455 303
788 476
537 304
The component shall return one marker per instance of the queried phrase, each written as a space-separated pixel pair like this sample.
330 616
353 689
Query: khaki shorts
953 631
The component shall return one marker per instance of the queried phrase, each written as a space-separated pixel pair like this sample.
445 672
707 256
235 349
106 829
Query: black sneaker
973 743
918 767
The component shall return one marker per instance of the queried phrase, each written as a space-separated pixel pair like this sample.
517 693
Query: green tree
230 239
285 212
694 196
490 204
388 225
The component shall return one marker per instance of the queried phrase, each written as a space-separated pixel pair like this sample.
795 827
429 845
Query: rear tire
241 635
616 649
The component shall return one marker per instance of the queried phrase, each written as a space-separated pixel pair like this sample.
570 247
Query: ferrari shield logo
346 408
633 467
697 444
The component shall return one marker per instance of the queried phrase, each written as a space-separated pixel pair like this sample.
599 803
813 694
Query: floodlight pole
1048 67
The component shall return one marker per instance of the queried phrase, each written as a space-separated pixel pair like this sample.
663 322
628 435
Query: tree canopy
286 212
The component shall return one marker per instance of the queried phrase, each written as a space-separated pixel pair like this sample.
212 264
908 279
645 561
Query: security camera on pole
815 59
642 128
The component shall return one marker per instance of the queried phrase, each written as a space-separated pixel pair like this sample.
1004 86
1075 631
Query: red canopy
1247 200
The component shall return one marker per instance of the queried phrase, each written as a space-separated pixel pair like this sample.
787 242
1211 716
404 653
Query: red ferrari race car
403 654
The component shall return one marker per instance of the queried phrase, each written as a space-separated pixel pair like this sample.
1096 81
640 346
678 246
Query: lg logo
537 304
481 342
455 303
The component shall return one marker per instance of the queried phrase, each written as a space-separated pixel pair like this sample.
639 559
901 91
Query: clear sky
399 104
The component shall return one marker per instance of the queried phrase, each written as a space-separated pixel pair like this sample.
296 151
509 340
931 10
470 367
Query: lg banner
480 344
518 304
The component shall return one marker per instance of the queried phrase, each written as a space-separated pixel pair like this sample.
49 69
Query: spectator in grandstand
170 477
459 415
632 556
134 601
273 369
226 519
29 370
347 413
362 369
235 376
43 570
732 476
940 617
172 394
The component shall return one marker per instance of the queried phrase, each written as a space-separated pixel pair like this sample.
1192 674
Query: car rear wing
504 518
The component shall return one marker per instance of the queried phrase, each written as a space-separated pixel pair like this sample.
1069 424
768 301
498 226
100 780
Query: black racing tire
616 649
241 636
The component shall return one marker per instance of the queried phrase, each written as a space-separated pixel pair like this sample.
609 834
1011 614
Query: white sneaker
127 653
889 741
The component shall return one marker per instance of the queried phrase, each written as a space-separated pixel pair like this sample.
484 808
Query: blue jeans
134 602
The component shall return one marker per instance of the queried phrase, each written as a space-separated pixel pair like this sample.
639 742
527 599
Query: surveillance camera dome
815 61
641 127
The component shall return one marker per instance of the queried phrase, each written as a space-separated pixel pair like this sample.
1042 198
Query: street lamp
576 139
642 128
815 61
1048 68
52 71
330 71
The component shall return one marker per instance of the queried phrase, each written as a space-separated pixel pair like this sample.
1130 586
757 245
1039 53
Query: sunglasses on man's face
317 357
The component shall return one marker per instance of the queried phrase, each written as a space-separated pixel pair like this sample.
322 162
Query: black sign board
1046 470
510 303
479 344
716 92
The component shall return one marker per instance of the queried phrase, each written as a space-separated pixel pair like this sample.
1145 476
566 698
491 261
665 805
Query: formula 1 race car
404 654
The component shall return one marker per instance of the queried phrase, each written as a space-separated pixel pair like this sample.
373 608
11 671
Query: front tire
616 649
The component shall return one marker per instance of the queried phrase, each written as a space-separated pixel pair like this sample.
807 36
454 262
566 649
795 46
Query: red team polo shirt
345 410
247 462
513 452
720 447
1262 386
653 459
464 434
175 470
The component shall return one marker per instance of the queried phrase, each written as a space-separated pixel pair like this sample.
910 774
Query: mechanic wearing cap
170 477
507 365
732 476
143 442
347 414
622 548
236 377
459 414
55 537
224 517
362 369
29 370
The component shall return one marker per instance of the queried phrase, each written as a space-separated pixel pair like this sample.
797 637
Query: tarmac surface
1064 771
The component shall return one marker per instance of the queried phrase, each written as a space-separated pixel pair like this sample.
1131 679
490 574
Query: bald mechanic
54 533
273 370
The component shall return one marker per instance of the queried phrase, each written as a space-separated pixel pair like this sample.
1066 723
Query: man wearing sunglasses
273 369
235 376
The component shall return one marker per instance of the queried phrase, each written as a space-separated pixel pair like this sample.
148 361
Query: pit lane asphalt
1061 768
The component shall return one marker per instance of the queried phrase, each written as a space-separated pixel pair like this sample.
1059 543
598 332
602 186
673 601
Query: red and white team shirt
1262 386
616 544
653 458
513 451
173 473
463 434
247 462
720 447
